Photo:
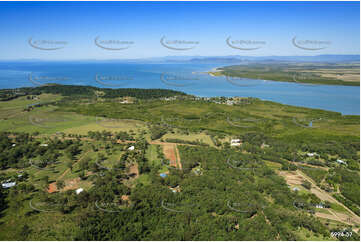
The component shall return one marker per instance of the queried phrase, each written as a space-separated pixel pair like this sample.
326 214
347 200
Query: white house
311 154
8 184
79 190
320 205
131 148
235 142
229 102
341 162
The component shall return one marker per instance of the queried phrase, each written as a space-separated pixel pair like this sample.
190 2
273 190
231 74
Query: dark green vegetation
203 208
222 192
88 91
329 74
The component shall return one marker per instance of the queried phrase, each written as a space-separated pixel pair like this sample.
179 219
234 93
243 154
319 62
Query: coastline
285 99
216 72
337 98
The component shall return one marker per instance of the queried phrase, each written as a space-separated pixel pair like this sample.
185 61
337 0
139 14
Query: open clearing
170 153
192 137
295 178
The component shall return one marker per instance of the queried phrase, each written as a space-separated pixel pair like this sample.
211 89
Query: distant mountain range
223 59
238 59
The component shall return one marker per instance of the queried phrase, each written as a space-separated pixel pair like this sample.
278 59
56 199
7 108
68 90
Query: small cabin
320 205
79 190
235 142
341 162
8 184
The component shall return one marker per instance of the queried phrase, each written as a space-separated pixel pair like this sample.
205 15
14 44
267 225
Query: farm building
79 190
8 184
341 162
320 205
235 142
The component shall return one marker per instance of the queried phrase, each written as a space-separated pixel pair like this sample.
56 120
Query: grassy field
152 156
191 115
100 124
273 165
190 137
49 120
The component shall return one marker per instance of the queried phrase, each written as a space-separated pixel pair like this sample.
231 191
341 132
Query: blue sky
275 24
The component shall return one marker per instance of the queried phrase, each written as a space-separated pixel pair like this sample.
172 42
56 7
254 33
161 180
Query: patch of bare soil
296 178
178 157
291 177
52 187
170 154
71 184
133 169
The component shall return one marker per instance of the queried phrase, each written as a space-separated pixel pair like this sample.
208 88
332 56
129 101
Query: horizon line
176 56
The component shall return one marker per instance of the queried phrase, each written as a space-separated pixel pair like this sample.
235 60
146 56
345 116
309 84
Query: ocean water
189 78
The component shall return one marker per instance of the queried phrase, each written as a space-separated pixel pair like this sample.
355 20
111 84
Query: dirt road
323 195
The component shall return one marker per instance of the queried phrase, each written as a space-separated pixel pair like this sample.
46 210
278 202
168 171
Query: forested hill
90 91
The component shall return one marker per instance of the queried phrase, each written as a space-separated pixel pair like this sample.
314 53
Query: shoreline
262 98
215 70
